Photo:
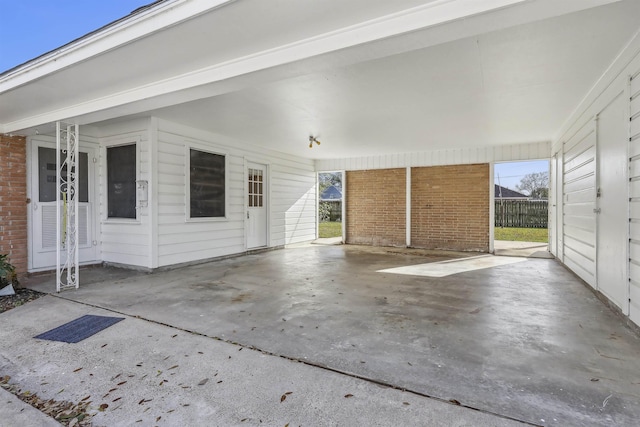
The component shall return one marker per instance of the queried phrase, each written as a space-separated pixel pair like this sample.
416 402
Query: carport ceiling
380 77
515 85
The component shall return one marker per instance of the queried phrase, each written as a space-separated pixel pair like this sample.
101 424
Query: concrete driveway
495 343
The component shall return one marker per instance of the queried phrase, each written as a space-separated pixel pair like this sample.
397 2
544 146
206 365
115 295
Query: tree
535 185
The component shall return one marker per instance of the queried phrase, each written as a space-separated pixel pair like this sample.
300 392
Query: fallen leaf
454 401
348 395
116 399
203 382
85 398
283 398
73 423
243 420
173 336
405 403
76 370
595 379
121 383
173 367
102 407
158 419
103 345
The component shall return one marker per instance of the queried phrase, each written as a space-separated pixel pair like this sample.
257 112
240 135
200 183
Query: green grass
330 229
522 234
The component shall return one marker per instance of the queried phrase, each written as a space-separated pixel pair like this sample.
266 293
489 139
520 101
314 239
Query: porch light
313 139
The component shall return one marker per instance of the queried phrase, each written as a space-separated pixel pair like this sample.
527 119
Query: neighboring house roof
507 193
331 193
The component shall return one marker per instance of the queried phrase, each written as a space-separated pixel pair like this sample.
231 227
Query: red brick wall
450 207
376 207
13 196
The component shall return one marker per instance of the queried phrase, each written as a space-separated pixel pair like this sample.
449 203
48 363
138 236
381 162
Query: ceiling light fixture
313 139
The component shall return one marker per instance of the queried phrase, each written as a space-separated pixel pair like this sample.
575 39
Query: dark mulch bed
21 297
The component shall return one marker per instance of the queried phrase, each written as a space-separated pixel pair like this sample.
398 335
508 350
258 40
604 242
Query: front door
43 205
256 205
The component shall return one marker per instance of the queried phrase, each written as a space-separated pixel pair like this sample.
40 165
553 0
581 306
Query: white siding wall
458 156
292 210
579 197
634 197
126 241
577 142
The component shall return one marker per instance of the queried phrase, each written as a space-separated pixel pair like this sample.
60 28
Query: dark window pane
47 175
121 181
207 184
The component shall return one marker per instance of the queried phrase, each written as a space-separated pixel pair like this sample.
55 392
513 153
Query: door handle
597 211
247 214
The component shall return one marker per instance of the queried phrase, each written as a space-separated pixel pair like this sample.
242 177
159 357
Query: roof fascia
121 32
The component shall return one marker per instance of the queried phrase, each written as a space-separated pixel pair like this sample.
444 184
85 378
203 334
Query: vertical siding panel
634 194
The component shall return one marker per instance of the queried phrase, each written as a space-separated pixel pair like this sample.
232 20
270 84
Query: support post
67 179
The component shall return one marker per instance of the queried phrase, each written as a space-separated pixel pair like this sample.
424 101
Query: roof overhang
178 53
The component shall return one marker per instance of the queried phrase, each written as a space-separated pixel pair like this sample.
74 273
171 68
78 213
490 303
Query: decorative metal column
67 179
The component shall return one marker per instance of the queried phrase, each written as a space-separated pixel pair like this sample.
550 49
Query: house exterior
505 193
193 120
330 194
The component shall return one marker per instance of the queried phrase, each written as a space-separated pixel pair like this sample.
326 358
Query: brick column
13 197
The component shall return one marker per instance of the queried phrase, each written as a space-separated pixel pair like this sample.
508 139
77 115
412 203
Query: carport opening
330 209
521 206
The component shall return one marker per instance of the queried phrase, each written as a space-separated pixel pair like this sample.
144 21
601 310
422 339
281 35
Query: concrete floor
525 341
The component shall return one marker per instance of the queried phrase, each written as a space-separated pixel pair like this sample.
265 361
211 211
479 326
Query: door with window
256 205
43 205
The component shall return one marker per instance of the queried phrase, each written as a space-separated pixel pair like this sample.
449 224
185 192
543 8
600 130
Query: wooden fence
522 213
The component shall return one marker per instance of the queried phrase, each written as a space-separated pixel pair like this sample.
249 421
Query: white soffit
510 86
115 82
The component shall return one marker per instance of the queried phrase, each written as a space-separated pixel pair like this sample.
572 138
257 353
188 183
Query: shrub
8 274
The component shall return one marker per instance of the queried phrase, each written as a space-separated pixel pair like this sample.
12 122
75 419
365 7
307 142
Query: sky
30 28
510 174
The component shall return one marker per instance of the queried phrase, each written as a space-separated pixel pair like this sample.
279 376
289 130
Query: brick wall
13 196
376 207
450 207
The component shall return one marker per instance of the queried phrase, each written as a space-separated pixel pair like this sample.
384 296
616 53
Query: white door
43 205
612 203
256 205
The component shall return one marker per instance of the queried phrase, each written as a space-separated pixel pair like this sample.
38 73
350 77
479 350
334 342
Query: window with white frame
206 184
121 181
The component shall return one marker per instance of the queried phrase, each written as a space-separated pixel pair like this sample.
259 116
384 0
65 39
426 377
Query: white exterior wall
456 156
125 241
634 196
577 147
579 201
291 204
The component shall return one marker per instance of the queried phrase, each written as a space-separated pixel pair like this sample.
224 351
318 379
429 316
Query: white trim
492 208
152 195
117 142
408 208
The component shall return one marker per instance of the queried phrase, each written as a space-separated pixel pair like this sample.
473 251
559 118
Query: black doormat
79 329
